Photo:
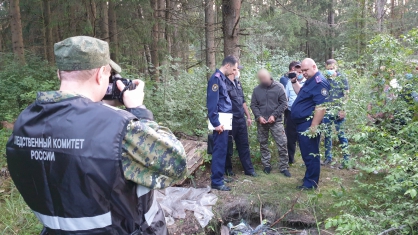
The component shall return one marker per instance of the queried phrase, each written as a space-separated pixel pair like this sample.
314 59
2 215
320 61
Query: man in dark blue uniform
218 101
307 113
239 125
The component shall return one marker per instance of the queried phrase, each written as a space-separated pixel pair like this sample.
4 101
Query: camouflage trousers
277 130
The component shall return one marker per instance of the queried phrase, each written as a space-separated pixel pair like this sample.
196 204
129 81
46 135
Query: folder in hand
225 119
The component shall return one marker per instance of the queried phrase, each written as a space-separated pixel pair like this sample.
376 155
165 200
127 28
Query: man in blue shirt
218 101
239 125
307 113
292 68
335 113
290 125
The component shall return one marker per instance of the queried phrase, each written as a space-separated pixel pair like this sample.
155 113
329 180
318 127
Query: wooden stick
261 206
287 212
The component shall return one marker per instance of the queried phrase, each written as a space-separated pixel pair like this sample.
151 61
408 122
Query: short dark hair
293 64
330 61
232 60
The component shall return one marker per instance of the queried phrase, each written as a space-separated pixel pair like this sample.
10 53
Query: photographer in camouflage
85 167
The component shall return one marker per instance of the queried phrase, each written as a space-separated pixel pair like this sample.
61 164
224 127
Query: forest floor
277 195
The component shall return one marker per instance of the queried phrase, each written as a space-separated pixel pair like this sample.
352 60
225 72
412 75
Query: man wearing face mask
290 125
241 118
268 104
336 114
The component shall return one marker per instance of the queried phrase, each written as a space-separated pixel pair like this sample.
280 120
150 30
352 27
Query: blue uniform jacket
314 92
217 97
236 94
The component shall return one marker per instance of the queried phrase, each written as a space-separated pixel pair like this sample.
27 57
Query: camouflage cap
83 53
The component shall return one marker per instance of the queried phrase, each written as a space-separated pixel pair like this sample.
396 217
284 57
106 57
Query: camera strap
127 87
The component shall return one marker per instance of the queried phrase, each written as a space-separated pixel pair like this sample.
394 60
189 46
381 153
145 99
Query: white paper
225 119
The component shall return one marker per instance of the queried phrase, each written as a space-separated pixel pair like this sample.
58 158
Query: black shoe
326 162
228 180
252 174
221 188
229 173
303 187
286 173
267 170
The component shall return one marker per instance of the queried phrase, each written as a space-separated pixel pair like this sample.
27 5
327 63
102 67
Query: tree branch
392 229
287 212
309 19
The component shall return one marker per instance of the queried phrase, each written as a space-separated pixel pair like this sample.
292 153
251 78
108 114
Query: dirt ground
276 193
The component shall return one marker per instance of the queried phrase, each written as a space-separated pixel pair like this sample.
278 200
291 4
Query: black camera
291 75
113 92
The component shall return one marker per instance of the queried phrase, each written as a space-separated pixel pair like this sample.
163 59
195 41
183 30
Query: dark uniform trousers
240 135
220 147
291 134
310 155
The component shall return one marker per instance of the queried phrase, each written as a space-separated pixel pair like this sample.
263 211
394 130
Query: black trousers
240 135
291 134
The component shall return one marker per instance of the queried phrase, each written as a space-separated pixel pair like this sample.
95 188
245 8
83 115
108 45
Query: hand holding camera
132 98
124 91
292 76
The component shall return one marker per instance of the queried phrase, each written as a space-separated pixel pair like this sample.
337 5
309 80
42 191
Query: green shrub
21 82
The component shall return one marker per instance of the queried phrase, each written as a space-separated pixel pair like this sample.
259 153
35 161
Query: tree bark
72 21
231 17
161 16
92 16
168 23
210 35
104 21
307 47
113 32
380 10
154 44
16 28
363 27
175 49
49 43
331 23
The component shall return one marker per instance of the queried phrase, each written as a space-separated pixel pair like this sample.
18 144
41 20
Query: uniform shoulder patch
324 92
215 87
218 75
318 79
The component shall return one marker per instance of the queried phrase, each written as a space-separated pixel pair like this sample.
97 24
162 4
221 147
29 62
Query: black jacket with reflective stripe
65 160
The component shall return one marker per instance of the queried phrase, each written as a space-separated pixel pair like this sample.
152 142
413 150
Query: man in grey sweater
268 104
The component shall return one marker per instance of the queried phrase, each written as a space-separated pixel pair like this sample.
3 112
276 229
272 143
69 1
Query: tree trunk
92 16
49 43
113 32
210 35
331 23
175 49
168 23
104 21
307 48
161 16
72 21
154 43
16 28
380 11
363 27
231 17
392 16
